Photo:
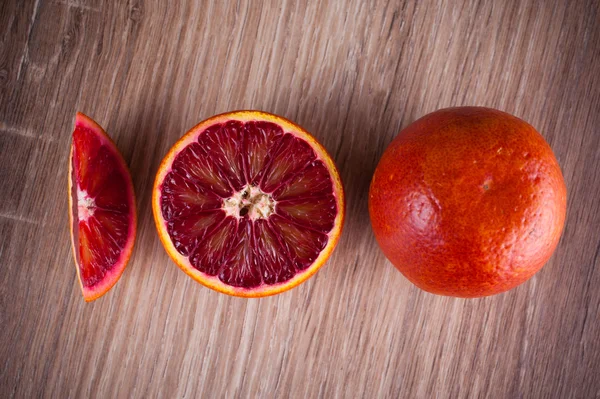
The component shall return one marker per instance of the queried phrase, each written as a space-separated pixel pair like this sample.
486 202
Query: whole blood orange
248 204
102 208
468 202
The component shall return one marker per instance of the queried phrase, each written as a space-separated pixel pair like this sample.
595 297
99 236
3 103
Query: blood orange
248 204
102 208
468 202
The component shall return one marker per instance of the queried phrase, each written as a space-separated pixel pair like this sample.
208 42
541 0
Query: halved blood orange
248 204
102 208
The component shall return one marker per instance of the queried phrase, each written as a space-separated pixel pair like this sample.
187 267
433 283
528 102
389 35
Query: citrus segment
286 160
195 165
258 139
183 197
209 255
102 208
187 232
248 204
311 181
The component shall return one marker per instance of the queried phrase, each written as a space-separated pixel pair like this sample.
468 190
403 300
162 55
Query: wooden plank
353 73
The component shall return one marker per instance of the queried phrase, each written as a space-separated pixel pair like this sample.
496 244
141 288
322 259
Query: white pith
258 204
85 205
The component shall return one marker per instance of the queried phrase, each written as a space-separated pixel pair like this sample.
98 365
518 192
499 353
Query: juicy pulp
248 203
103 209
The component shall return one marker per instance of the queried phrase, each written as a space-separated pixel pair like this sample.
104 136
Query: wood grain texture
353 73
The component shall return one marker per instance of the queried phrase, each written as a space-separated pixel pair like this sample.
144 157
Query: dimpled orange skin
468 202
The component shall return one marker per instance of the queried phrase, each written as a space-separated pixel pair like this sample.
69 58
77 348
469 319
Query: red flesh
243 252
101 238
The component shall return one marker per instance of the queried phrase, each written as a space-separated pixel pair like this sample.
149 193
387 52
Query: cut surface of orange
248 203
102 210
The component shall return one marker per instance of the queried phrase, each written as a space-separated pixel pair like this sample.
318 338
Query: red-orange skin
468 202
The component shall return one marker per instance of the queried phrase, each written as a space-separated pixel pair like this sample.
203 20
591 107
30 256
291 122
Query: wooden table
353 73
